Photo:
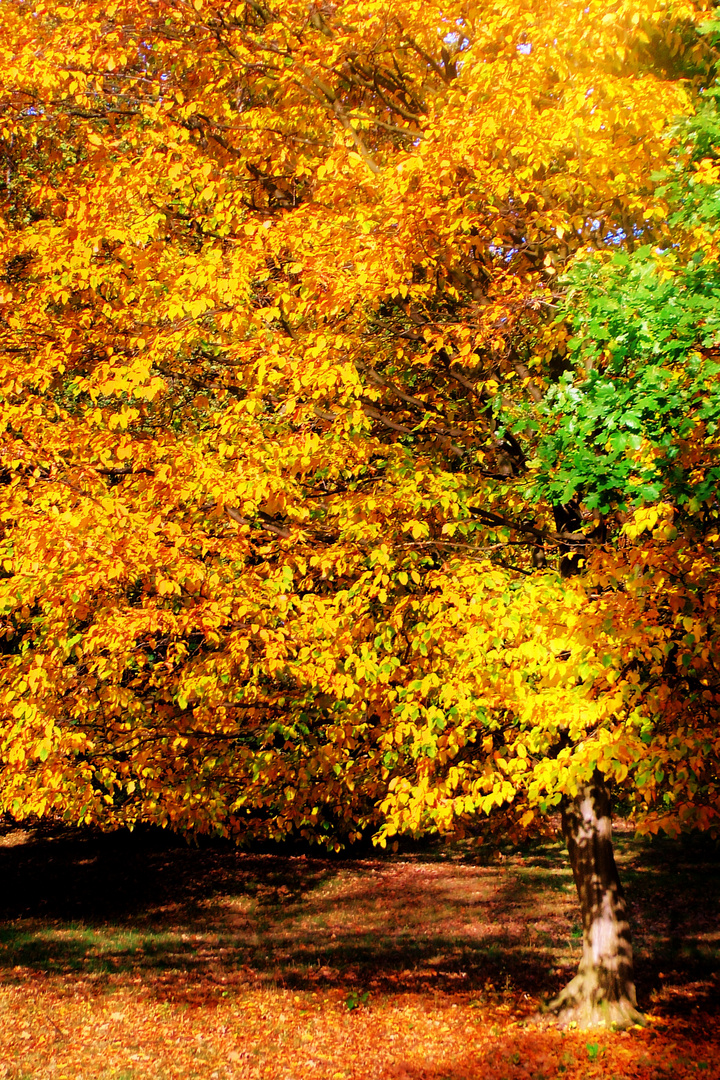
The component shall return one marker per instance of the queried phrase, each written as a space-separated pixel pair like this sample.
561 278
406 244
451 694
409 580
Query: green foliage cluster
615 424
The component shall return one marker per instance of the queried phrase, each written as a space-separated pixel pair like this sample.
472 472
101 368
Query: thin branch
443 435
490 518
359 144
285 534
534 391
444 75
382 381
472 387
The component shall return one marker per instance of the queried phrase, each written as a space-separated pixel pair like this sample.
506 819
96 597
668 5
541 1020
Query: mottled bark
603 991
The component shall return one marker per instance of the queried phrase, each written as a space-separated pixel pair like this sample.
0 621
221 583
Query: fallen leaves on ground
139 960
57 1029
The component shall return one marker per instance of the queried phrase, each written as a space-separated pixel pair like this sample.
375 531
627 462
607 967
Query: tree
359 423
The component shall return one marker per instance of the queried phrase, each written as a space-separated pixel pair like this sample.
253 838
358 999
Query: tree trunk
602 994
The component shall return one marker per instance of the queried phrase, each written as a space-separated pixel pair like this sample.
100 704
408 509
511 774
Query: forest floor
136 957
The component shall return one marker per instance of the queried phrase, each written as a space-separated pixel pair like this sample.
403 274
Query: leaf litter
127 959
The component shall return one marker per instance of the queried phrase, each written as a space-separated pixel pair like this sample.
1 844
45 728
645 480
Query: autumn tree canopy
359 413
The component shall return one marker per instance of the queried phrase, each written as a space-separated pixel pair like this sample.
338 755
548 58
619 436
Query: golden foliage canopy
283 308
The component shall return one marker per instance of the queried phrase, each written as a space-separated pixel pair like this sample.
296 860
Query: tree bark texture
602 994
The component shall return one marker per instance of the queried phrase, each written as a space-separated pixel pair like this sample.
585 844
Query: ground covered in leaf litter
131 957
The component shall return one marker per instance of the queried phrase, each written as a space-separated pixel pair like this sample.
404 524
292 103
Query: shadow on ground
204 921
